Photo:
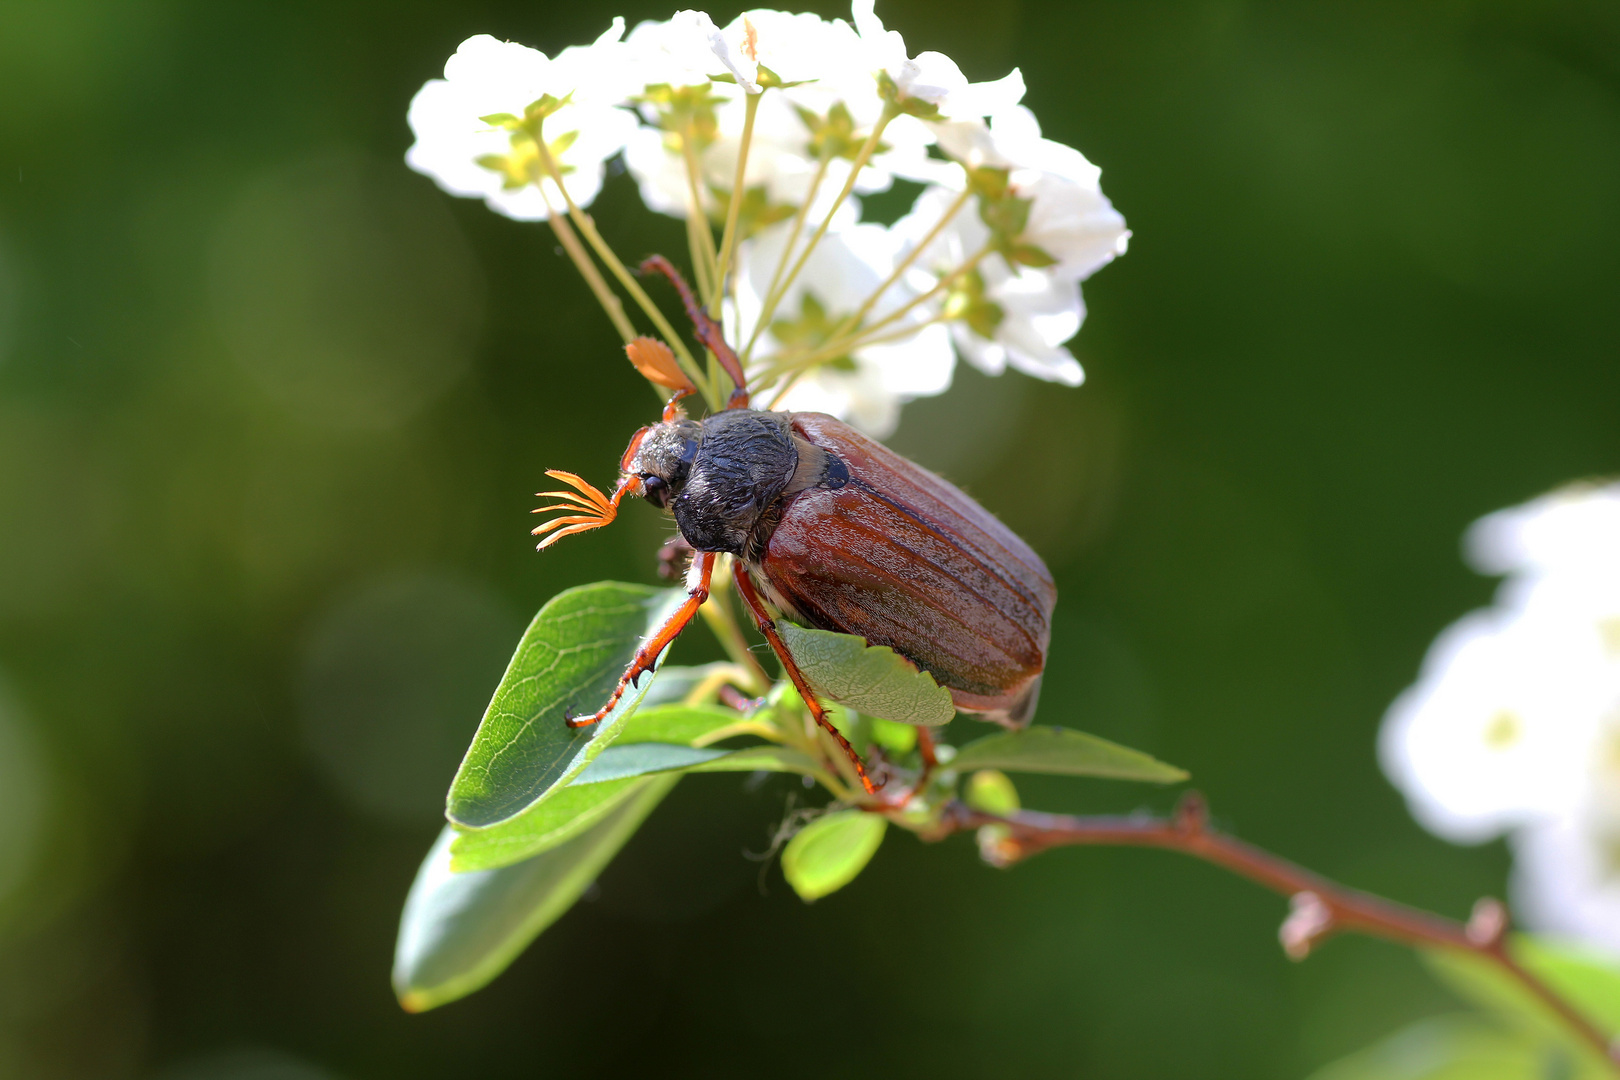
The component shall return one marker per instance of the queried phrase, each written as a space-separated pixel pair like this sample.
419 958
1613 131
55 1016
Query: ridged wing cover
906 559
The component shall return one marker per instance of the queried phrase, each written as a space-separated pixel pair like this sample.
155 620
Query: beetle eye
656 490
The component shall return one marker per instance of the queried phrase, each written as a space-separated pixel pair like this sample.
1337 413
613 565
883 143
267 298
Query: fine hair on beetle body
833 530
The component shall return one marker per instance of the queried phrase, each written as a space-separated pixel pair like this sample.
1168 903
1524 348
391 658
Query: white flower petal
1575 527
845 269
1566 881
727 49
486 77
1498 729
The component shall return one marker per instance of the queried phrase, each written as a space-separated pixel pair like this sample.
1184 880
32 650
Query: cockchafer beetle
834 530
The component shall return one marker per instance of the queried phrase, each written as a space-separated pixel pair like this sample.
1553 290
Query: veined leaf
603 784
570 658
871 679
831 851
1063 752
461 930
555 821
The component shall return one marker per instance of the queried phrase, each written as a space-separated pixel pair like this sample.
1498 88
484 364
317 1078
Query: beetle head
659 459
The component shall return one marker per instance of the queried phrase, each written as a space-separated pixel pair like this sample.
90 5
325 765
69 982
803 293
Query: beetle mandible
834 530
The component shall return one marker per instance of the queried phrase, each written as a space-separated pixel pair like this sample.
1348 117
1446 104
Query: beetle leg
672 406
767 626
707 330
648 654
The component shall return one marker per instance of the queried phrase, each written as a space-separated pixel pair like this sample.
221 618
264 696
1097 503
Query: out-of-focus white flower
1021 302
867 386
1566 877
1069 219
822 103
1498 727
689 50
930 78
472 127
1576 528
1515 721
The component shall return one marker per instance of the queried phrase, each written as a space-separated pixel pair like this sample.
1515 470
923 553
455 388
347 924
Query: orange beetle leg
672 406
767 626
648 654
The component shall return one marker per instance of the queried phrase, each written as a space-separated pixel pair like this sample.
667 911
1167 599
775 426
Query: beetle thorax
721 477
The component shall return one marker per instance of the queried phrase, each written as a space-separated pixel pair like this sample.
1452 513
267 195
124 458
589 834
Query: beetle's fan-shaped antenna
582 511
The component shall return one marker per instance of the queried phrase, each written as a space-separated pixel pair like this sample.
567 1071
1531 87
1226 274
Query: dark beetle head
661 457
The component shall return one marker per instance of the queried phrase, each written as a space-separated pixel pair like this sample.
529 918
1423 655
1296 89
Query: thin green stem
728 239
802 362
905 309
699 237
717 675
794 232
605 296
582 221
859 163
904 264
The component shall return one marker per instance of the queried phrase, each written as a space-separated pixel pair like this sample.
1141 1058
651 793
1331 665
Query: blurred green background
272 408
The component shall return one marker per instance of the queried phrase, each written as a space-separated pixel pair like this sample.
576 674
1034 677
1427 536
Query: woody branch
1320 907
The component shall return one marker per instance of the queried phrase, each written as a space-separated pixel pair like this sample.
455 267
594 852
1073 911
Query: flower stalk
862 156
728 239
611 304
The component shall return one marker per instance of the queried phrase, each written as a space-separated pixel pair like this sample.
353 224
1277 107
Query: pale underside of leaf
1063 752
461 930
871 679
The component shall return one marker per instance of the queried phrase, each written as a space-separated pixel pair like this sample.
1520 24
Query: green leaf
764 759
576 807
500 119
620 762
675 723
570 657
828 853
605 783
1462 1047
1589 983
461 930
896 738
871 679
991 791
1031 255
557 820
1065 753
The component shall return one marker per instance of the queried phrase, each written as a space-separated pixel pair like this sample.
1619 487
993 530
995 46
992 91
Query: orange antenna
583 510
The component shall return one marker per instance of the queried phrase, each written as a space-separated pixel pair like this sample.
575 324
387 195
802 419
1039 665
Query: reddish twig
1320 907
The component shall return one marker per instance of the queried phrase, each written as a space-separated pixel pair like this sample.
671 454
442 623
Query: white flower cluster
768 131
1514 724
